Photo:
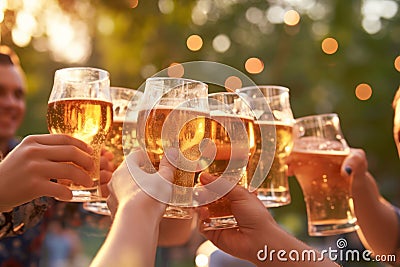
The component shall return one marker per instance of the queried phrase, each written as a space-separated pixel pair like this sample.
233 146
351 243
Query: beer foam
344 152
282 123
80 99
219 113
165 107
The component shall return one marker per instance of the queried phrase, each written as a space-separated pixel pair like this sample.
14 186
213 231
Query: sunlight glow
221 43
254 65
194 42
397 63
329 46
363 91
176 70
291 18
232 83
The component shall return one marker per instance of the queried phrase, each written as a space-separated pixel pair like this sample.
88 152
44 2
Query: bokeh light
194 42
291 18
176 70
232 83
363 91
254 65
166 6
254 15
329 46
133 3
397 63
201 260
221 43
275 14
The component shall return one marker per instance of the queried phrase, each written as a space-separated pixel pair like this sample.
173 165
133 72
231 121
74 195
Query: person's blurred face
12 101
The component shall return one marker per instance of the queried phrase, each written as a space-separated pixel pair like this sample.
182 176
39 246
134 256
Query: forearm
380 234
132 239
175 232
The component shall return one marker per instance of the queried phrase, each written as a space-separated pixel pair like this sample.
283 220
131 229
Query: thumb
58 191
355 163
166 169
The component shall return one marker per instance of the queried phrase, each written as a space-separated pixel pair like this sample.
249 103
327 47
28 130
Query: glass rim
155 78
268 86
125 89
323 115
224 93
59 74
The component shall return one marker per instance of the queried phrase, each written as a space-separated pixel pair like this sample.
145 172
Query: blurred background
335 56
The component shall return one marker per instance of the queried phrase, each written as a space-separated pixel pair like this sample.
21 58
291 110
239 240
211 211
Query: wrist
142 204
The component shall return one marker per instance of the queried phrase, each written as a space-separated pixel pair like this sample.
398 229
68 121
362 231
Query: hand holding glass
80 105
122 99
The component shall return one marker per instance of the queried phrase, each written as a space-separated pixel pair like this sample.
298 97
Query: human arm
132 240
175 232
376 217
26 172
257 231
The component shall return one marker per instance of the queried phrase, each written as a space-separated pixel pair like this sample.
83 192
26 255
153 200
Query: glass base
83 195
220 223
326 228
272 199
177 212
98 207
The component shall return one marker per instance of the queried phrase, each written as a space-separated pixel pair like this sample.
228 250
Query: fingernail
348 170
206 178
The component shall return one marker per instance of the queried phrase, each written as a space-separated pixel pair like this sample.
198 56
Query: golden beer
219 211
120 135
86 119
326 192
275 188
193 130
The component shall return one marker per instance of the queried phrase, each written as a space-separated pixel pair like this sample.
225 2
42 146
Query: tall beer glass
274 120
172 115
232 132
80 105
122 100
318 153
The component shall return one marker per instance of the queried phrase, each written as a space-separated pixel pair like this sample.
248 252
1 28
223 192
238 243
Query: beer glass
318 153
80 105
273 126
122 99
232 132
172 115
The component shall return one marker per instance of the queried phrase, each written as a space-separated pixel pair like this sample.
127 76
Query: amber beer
275 189
326 192
219 211
122 136
85 119
192 131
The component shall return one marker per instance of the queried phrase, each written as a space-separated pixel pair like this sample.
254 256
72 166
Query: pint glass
80 105
232 132
273 122
318 153
172 115
123 131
